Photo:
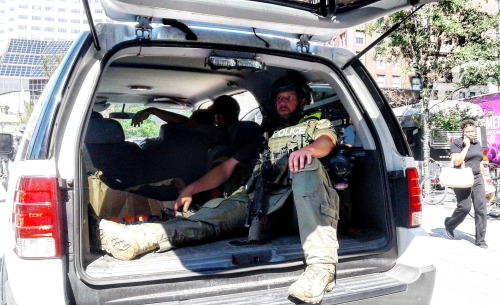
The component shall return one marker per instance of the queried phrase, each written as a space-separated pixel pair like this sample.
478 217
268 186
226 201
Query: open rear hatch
319 19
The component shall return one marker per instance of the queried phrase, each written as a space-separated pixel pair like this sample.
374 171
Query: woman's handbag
456 177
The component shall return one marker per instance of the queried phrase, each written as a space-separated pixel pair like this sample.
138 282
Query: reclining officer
225 111
299 144
216 119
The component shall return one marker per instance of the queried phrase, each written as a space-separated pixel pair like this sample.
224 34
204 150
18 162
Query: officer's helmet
288 83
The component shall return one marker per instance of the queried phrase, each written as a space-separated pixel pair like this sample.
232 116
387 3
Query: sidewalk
465 273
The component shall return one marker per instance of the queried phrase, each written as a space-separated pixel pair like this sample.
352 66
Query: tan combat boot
313 283
126 242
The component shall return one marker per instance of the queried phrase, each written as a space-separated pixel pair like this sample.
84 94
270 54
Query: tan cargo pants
316 205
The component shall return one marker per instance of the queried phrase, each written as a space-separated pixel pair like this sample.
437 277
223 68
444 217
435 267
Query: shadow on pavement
459 235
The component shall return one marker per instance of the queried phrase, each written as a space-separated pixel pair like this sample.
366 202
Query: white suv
182 54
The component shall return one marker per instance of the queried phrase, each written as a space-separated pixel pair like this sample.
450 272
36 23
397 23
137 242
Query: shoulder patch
324 123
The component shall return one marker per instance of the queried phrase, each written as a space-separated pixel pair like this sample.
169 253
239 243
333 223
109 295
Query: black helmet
227 106
288 83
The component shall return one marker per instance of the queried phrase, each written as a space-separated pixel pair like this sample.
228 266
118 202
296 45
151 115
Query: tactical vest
284 141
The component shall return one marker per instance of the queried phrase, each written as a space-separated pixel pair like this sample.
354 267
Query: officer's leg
317 206
216 219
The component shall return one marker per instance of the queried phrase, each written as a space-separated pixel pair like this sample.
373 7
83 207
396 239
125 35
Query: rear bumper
402 285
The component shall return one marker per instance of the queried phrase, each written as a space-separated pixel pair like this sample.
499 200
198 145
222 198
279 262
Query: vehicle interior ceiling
189 81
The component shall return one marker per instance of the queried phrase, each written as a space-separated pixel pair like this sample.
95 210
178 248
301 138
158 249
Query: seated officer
295 146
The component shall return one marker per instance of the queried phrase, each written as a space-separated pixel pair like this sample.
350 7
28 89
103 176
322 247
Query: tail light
37 218
415 206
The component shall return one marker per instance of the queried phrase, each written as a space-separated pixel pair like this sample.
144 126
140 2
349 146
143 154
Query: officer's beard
291 118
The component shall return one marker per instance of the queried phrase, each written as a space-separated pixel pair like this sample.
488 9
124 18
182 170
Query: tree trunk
426 149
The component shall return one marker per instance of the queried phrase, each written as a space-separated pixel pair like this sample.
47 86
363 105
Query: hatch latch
303 44
143 28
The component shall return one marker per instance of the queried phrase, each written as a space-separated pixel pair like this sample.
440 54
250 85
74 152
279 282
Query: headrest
95 115
243 131
104 131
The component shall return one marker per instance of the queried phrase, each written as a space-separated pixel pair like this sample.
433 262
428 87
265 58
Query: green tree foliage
148 129
450 119
24 117
444 35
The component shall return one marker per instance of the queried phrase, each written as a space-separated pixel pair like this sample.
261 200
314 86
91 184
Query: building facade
34 36
48 20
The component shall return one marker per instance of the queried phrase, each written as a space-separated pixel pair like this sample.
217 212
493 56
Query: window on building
49 18
472 93
396 62
416 83
61 10
461 95
360 37
49 8
380 62
36 7
49 29
62 30
75 31
343 40
98 11
449 95
36 17
75 11
75 20
396 82
23 6
62 20
23 17
22 27
36 28
381 80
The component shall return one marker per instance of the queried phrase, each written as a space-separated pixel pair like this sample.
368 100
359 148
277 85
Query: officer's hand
298 159
183 201
140 116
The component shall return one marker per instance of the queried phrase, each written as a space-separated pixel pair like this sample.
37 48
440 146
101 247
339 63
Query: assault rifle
258 183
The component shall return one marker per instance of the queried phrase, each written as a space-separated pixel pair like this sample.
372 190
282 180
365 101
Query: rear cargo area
363 230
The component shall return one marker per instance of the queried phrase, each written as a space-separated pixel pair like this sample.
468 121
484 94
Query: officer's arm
321 147
167 116
211 180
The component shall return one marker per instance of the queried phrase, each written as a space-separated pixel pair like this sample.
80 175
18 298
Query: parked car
171 54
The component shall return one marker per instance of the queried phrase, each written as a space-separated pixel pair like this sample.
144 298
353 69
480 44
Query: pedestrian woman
468 150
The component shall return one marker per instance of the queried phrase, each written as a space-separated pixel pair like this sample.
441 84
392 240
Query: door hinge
303 43
143 28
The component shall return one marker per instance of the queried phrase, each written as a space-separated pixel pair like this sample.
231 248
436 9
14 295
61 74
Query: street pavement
465 273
